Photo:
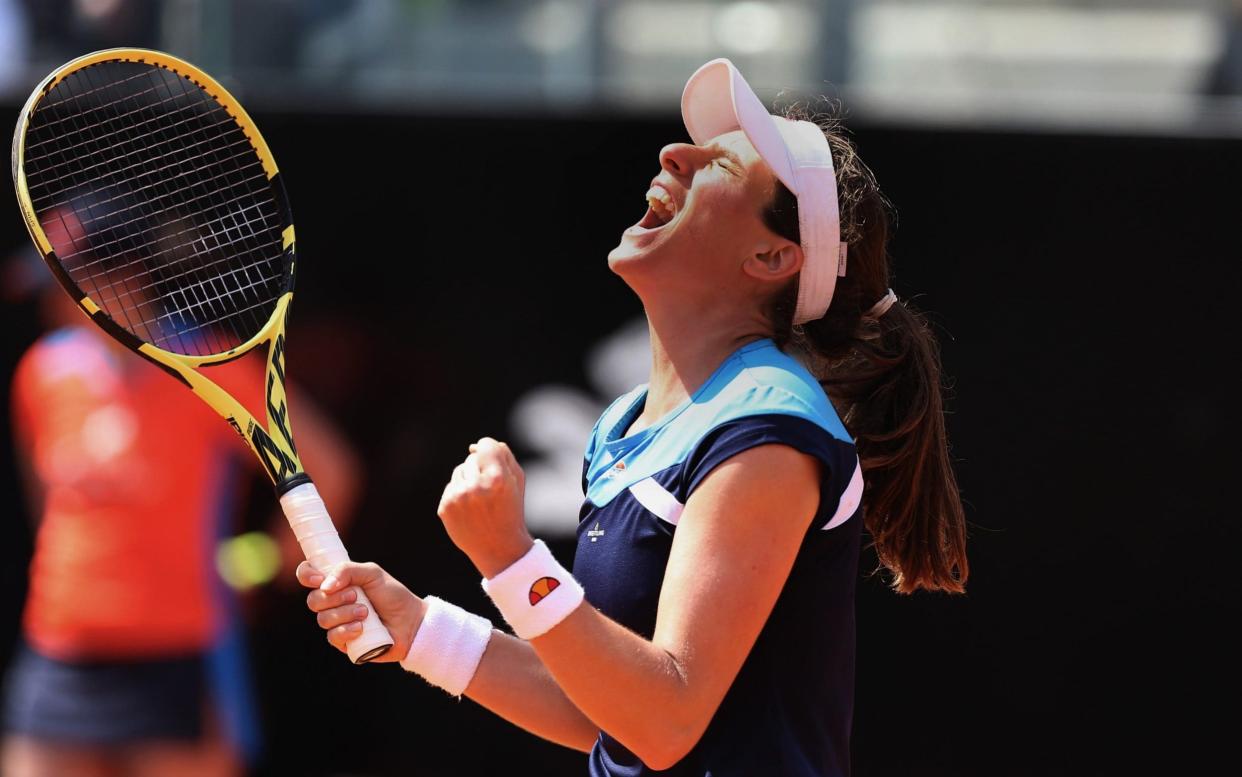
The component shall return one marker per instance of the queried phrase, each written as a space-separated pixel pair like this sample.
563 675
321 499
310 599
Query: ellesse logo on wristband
542 587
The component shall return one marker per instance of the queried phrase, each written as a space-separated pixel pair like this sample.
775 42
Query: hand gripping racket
157 205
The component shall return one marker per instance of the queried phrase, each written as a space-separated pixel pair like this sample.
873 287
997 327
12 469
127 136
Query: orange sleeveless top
135 474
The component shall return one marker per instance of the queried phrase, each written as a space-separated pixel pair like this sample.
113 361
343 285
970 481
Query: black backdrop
1083 289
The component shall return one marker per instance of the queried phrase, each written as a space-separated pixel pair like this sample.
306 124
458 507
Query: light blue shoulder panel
758 379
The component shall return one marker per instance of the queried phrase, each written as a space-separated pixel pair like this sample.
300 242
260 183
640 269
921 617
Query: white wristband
448 646
534 593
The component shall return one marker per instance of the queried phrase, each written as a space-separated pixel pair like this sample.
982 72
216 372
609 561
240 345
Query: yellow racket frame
271 442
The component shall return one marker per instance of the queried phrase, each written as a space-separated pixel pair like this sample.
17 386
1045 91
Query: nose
681 159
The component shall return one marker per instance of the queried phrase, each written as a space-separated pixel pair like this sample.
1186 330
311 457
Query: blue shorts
105 702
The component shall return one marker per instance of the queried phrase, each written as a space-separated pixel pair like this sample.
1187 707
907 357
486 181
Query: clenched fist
482 507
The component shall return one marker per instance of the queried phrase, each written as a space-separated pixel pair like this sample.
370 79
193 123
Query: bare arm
513 683
730 558
731 555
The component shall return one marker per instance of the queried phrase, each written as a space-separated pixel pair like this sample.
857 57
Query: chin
639 245
622 266
628 259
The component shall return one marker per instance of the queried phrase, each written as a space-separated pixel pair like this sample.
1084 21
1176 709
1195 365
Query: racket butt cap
374 641
373 654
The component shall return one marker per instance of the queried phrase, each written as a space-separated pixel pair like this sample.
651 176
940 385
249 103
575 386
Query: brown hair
883 375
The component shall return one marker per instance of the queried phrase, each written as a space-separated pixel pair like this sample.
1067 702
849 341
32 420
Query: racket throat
287 484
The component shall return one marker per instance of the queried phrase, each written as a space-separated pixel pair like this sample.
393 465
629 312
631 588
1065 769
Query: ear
774 262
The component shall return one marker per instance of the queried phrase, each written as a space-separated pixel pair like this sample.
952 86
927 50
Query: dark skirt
105 702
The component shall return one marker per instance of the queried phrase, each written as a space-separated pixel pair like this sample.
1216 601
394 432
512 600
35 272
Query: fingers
488 466
318 600
340 636
350 573
341 616
494 460
338 614
307 575
466 473
334 599
470 470
488 450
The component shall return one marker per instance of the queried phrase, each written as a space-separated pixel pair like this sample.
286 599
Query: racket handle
323 548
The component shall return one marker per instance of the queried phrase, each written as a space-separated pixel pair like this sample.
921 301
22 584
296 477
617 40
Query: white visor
717 100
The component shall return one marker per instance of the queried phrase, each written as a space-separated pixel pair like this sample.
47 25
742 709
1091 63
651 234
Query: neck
686 348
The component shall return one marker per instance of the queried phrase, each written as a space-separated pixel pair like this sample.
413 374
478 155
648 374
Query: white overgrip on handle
322 546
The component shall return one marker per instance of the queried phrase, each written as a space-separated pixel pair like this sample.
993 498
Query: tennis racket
157 205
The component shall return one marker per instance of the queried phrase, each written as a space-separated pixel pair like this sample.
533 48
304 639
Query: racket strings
112 226
157 206
205 302
191 280
201 297
239 146
222 262
67 98
133 125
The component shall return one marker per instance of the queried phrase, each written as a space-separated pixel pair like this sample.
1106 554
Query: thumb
349 573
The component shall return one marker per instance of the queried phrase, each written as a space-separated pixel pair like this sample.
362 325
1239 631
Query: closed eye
728 160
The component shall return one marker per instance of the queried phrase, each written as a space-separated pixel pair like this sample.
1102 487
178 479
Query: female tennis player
708 624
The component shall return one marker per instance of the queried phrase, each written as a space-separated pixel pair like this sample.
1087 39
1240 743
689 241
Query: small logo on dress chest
595 533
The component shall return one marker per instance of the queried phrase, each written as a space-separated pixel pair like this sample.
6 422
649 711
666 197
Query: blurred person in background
63 29
708 625
1224 78
14 41
132 659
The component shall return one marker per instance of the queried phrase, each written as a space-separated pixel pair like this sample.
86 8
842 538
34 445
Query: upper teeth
661 202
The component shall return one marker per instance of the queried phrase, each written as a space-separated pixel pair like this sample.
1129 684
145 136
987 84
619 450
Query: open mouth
652 220
661 208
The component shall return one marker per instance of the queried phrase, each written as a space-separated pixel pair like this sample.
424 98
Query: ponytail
882 372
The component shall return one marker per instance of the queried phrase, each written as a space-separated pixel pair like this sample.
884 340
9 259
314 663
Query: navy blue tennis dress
788 711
